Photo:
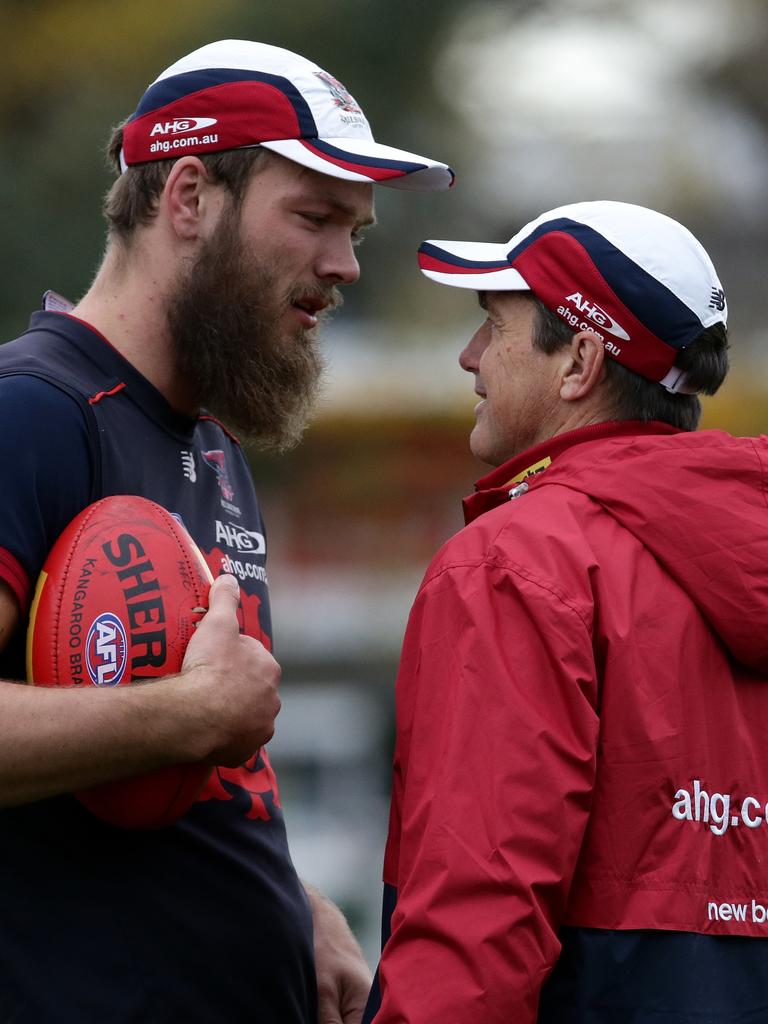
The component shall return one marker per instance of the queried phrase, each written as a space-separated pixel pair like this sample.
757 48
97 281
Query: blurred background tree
534 103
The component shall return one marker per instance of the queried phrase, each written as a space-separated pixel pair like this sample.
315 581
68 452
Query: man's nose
469 357
338 263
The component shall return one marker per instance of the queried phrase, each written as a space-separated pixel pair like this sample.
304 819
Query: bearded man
247 176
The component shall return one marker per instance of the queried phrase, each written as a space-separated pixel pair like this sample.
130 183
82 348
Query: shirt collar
115 367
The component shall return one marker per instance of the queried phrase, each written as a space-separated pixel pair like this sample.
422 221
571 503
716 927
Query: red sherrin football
116 602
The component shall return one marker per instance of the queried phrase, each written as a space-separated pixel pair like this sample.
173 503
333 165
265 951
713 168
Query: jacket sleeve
494 769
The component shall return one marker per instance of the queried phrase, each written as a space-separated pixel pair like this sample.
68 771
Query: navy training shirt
203 921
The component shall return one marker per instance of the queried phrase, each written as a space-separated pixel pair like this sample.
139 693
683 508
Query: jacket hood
697 501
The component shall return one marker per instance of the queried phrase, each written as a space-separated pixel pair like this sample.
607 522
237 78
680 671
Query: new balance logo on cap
717 299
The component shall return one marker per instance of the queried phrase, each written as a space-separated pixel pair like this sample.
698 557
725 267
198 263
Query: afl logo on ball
106 653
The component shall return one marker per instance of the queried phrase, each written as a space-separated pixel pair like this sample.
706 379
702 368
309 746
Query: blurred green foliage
75 68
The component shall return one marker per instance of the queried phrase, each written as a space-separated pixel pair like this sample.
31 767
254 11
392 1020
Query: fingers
328 1009
340 1007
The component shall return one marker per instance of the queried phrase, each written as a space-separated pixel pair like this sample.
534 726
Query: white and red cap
641 281
236 93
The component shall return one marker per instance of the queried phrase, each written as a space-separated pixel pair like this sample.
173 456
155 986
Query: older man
578 828
247 176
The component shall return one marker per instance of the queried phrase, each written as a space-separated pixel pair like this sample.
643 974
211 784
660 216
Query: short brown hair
132 200
704 361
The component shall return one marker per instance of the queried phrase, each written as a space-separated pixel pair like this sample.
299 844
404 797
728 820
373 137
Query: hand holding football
117 602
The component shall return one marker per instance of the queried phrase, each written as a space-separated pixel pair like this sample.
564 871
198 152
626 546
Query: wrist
186 718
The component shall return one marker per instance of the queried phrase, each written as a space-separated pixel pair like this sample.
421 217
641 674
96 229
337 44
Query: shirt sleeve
46 469
494 769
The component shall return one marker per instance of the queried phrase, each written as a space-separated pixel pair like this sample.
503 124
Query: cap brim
368 161
481 266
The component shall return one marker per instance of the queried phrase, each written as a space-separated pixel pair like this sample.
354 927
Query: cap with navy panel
636 278
235 93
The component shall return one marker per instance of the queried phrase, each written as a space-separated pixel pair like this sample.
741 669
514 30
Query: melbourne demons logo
341 96
106 650
216 461
253 787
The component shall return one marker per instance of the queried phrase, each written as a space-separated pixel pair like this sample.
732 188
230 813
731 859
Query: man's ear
584 367
189 198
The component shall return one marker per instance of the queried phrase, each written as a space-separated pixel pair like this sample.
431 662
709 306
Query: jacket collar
510 480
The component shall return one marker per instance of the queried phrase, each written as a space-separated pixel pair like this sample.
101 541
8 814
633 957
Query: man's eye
315 218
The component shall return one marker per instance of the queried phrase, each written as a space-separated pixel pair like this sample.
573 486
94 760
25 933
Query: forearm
220 708
60 740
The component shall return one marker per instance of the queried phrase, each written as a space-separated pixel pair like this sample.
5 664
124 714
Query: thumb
224 595
218 626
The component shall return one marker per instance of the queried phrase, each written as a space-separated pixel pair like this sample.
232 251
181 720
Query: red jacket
582 718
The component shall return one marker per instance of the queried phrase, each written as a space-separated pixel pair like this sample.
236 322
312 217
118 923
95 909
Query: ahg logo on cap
182 124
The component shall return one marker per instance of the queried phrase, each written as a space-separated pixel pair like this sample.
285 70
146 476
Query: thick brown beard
244 367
